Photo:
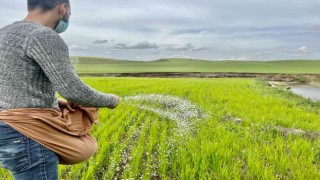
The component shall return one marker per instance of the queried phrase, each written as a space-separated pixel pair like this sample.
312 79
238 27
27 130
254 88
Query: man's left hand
65 104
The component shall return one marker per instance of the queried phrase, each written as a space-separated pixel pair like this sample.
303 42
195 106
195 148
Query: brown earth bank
303 78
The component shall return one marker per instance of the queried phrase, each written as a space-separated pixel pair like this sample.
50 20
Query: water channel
306 91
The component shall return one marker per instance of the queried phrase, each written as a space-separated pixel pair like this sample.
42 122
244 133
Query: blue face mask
62 26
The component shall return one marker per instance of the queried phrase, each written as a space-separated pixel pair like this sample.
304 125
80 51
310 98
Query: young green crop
142 143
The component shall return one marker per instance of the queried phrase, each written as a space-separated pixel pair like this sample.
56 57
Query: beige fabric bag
65 132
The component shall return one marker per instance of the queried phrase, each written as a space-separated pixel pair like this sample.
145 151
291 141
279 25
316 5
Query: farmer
34 63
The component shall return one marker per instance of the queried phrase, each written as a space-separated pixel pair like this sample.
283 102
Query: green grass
100 65
136 143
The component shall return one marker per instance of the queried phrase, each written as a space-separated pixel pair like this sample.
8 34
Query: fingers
70 108
117 102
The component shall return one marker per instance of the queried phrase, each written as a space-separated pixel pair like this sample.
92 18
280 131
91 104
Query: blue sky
200 29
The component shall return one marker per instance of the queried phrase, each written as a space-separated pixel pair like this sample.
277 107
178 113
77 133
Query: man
34 63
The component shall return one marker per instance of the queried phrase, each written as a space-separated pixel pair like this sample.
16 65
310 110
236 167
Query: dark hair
45 5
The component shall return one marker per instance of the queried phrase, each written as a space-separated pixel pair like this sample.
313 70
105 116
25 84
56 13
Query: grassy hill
104 65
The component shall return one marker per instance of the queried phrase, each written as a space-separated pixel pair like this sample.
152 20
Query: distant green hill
104 65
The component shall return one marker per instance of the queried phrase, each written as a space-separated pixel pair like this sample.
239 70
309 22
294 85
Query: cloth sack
65 132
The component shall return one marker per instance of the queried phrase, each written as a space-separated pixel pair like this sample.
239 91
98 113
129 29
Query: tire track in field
145 142
106 136
127 131
129 141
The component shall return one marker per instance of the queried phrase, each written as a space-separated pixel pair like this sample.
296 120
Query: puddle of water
306 91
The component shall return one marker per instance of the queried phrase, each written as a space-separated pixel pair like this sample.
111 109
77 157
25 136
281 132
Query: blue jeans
24 157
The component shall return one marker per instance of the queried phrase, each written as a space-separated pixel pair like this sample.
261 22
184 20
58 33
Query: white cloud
186 47
76 47
140 45
180 55
243 58
302 49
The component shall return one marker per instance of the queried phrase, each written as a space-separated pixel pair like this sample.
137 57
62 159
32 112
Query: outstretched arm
49 50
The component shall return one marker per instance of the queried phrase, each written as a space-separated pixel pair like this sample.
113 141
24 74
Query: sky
145 30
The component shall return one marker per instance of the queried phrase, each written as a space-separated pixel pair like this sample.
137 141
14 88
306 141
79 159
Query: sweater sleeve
50 51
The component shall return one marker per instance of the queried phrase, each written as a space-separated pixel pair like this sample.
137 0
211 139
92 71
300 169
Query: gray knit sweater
34 64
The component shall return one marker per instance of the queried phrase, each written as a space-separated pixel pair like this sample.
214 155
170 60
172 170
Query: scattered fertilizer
174 108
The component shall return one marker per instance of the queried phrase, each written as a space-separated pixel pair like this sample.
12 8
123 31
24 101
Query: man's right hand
117 102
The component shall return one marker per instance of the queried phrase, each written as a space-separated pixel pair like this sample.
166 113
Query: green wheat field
105 65
189 128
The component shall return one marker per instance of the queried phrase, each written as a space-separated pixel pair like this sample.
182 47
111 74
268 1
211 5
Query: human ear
63 9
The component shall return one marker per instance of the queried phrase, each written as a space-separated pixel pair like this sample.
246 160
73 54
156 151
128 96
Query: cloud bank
203 29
